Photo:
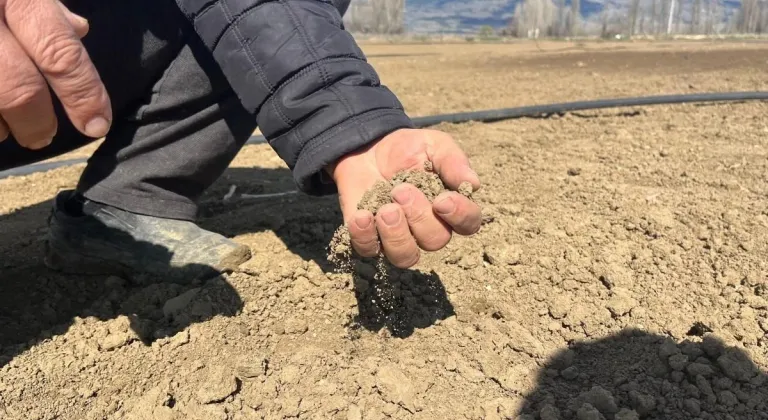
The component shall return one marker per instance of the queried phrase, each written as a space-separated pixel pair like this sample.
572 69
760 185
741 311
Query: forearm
293 65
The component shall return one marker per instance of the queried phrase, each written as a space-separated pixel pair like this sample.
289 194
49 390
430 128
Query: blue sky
429 16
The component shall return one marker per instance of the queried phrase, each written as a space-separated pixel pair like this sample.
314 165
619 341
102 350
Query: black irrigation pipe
490 116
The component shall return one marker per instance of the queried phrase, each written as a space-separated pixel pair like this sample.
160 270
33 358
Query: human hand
410 223
39 43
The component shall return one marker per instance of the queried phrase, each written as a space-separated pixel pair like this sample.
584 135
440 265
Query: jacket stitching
236 20
259 71
206 9
369 115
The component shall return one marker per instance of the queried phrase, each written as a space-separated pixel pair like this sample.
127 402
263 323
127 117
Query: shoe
87 237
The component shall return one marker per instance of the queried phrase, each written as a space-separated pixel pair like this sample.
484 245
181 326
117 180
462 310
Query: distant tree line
553 18
376 16
545 18
559 18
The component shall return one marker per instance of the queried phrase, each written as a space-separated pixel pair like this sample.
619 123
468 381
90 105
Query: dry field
621 272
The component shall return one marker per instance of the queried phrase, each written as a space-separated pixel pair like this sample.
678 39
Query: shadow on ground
637 375
409 300
37 303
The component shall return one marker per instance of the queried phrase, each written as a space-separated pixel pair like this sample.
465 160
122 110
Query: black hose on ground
491 116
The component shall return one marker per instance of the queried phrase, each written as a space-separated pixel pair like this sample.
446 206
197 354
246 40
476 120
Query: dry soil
620 272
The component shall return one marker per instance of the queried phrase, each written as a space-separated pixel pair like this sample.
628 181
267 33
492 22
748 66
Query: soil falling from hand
340 250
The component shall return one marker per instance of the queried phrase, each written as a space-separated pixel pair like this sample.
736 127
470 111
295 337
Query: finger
430 232
461 213
50 41
4 133
397 242
25 102
451 163
362 232
79 23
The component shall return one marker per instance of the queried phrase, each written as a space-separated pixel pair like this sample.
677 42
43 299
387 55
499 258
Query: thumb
79 23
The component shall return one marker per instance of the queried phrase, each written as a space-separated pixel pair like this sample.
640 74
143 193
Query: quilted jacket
293 64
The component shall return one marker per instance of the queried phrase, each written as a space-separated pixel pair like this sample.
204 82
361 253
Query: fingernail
97 127
391 218
43 143
445 206
363 222
403 196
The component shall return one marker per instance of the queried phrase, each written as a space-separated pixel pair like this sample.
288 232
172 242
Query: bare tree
535 18
710 19
376 16
695 17
388 16
633 11
678 15
574 18
561 25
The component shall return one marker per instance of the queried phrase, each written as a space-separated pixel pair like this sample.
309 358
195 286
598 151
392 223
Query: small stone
253 367
354 412
502 254
644 404
727 398
677 376
114 341
114 282
517 378
737 365
564 359
601 399
713 346
588 412
692 406
560 307
668 348
570 373
465 189
574 171
764 325
177 304
723 383
549 412
395 387
620 305
695 369
296 326
703 385
525 342
678 361
219 384
757 302
627 414
179 339
471 374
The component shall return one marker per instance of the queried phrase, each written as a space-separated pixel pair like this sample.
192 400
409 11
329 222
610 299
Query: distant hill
466 16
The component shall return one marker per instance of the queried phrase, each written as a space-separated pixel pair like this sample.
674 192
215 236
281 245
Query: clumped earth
620 272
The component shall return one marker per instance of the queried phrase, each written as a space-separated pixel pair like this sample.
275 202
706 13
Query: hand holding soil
393 206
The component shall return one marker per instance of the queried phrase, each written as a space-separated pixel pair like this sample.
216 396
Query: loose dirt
378 270
620 272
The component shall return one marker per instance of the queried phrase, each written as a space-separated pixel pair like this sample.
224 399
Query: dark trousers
177 123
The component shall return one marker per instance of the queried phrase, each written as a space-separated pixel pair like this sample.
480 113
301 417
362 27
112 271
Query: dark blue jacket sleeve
293 65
